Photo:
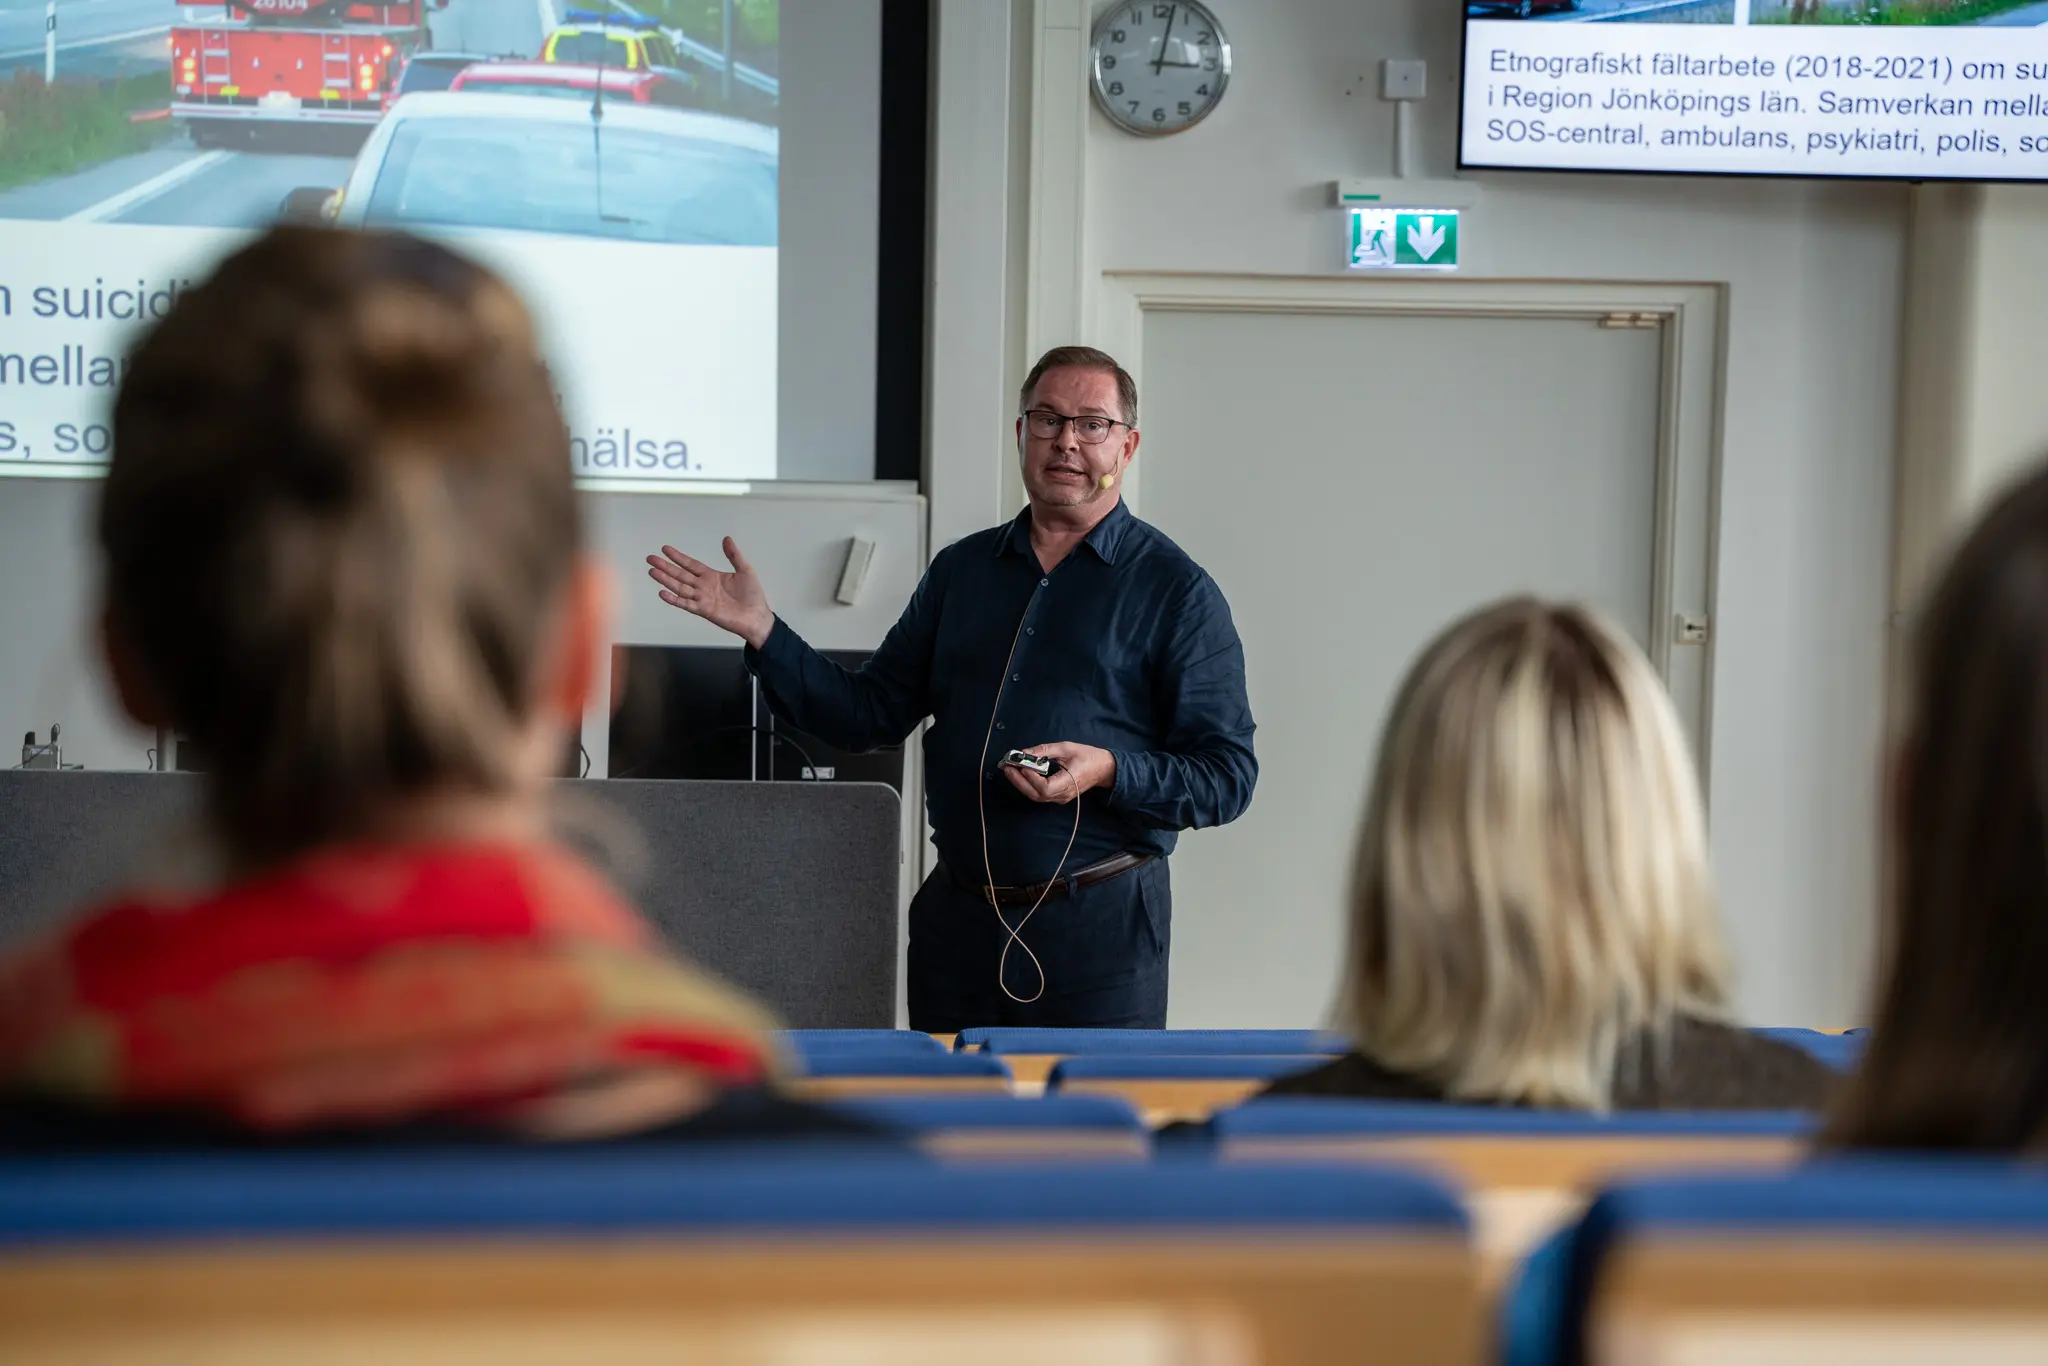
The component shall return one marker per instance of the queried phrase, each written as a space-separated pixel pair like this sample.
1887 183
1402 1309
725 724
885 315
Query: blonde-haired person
1532 916
342 553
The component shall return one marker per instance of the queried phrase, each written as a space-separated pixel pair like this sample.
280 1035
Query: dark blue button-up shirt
1126 645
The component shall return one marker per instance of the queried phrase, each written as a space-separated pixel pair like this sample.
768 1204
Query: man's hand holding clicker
1080 767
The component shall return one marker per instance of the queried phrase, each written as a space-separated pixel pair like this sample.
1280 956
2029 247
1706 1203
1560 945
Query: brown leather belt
1114 866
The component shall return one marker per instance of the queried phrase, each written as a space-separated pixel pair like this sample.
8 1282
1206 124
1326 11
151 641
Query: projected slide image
110 142
610 159
1916 13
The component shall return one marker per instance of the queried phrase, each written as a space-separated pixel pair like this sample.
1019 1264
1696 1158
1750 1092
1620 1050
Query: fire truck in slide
253 64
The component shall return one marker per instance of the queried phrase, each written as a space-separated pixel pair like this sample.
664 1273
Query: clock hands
1172 13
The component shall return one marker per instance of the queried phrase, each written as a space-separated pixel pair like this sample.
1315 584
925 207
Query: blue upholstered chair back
1854 1245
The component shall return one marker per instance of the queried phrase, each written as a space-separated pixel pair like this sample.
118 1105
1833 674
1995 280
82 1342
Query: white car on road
531 163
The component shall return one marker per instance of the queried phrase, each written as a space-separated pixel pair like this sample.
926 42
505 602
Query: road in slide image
180 185
2026 16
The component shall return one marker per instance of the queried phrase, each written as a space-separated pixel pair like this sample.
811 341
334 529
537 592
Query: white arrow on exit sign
1404 239
1426 238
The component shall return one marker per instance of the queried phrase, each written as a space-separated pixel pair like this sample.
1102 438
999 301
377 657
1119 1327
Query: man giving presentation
1087 695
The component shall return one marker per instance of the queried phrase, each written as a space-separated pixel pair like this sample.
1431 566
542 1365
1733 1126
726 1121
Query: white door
1354 481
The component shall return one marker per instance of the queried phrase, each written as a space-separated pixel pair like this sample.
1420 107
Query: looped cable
1013 936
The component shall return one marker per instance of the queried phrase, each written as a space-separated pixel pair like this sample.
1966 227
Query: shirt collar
1105 540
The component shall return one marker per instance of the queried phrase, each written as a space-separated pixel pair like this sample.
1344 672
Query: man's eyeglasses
1045 424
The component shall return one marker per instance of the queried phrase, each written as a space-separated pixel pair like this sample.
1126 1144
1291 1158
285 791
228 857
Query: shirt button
999 725
1030 630
1016 678
1044 583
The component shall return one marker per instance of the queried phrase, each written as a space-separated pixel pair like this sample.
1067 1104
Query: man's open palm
734 601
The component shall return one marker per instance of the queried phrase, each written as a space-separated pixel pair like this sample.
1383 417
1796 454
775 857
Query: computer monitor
695 712
683 712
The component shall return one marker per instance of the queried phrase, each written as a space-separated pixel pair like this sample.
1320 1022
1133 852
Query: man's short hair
1085 358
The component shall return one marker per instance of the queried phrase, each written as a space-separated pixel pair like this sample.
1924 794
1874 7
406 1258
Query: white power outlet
1404 80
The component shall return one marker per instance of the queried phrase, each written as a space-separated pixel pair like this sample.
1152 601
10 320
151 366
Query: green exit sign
1404 239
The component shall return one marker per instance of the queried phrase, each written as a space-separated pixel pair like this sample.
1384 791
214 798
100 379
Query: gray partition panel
789 890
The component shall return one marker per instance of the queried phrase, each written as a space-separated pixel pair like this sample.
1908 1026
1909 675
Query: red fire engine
252 63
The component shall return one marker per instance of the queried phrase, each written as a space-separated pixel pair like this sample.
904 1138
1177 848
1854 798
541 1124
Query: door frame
1691 319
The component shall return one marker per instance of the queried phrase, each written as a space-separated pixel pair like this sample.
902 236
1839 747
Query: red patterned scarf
370 985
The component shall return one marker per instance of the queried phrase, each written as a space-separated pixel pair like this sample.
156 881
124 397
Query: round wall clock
1160 66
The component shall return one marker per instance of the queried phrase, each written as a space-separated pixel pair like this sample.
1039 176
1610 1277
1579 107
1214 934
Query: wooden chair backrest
1236 1297
1766 1300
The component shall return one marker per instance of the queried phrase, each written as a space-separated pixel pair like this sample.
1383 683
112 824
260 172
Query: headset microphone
1108 480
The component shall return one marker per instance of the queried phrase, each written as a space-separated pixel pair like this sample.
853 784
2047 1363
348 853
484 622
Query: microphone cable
1013 935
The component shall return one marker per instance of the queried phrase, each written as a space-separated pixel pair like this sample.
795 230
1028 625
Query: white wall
977 111
2008 403
795 535
1974 410
831 63
49 649
1814 274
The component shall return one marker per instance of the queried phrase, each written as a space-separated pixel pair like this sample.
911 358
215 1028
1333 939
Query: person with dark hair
342 553
1958 1054
1087 691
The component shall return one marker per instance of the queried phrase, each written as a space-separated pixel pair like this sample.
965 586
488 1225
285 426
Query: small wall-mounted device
1404 80
1403 84
860 554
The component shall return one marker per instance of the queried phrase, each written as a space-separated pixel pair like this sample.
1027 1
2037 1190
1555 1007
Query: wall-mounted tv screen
1906 89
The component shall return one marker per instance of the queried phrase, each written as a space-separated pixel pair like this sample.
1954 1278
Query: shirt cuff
1119 787
772 650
